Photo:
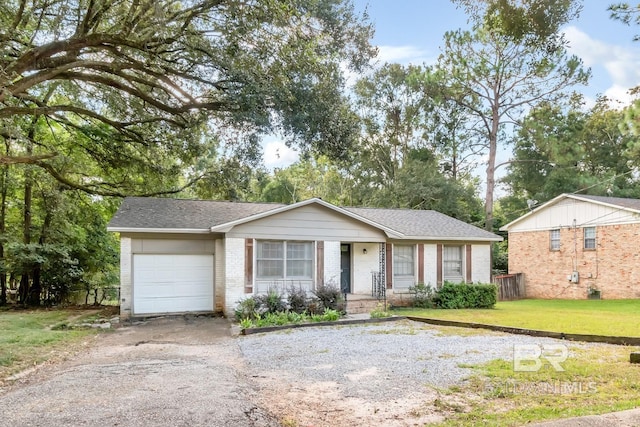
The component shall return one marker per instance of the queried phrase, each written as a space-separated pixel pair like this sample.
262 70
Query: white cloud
278 155
621 64
403 55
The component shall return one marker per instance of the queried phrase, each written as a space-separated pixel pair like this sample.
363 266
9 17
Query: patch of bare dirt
325 404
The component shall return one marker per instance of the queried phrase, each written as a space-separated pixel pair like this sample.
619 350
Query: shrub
247 308
330 315
380 312
329 295
297 299
271 302
463 295
423 295
314 306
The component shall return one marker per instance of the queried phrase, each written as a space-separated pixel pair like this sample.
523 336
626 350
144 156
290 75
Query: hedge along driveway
590 317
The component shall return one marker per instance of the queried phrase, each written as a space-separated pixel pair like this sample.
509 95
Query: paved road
168 372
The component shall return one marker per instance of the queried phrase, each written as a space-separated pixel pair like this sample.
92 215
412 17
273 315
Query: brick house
179 256
578 247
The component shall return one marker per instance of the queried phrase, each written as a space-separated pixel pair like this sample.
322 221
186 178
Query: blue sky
411 31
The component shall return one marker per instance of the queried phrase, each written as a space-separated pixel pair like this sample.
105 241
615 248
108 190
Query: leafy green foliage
140 90
423 295
561 150
529 72
463 295
287 318
380 312
271 302
247 309
627 14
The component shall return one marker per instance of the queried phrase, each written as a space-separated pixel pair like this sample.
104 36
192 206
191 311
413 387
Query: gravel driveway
192 372
386 374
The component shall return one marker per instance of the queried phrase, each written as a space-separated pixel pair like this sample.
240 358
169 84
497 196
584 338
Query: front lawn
595 317
29 337
596 379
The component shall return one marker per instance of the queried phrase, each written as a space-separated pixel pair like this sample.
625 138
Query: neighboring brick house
578 247
180 256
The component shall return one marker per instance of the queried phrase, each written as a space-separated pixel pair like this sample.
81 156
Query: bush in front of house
423 295
464 295
273 308
329 296
271 302
297 299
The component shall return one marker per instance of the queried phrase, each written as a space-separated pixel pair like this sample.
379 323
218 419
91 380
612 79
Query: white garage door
172 283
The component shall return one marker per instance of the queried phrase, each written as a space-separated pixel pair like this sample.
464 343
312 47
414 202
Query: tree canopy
497 71
134 87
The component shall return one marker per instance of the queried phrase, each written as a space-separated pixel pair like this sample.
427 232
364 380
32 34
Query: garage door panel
172 283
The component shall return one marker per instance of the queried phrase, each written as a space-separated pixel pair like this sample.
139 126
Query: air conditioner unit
575 277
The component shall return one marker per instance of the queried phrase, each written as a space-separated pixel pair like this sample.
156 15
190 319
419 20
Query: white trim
226 227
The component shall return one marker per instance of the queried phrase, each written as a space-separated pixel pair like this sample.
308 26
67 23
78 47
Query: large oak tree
103 94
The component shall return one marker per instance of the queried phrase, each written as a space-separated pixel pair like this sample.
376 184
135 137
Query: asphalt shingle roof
422 223
157 213
147 212
618 201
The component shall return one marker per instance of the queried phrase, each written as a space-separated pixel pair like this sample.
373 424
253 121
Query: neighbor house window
554 238
589 237
452 263
284 260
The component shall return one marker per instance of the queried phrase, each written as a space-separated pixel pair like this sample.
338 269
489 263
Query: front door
345 268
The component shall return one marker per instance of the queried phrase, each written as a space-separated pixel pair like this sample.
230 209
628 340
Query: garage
172 283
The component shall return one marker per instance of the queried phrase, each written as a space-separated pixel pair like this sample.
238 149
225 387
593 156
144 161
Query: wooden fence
510 286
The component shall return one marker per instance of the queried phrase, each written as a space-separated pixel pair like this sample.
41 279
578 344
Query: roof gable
226 227
601 210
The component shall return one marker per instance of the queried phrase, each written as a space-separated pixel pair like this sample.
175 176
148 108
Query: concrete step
361 305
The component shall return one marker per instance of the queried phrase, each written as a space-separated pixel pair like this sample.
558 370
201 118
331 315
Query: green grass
597 379
596 317
31 337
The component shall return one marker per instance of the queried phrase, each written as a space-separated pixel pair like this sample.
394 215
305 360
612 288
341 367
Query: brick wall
613 267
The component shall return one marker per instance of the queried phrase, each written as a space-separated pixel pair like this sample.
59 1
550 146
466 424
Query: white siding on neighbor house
430 264
363 265
310 222
125 277
234 274
332 263
481 263
565 211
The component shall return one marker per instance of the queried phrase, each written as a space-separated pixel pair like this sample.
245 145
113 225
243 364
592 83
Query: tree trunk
4 182
36 286
491 168
26 294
